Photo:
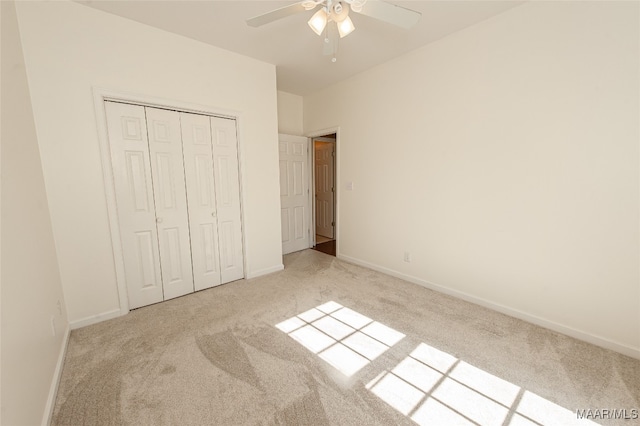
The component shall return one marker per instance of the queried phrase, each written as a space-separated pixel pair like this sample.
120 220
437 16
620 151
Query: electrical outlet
407 257
53 326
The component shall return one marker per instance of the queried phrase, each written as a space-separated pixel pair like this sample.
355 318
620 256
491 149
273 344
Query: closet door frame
100 95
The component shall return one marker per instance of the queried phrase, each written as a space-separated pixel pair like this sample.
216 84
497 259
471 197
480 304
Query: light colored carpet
385 352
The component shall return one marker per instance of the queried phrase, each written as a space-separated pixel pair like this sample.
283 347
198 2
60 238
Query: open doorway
324 177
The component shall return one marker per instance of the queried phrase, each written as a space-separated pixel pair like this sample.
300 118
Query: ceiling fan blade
276 14
387 12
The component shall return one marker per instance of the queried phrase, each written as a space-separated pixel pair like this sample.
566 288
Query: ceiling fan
338 11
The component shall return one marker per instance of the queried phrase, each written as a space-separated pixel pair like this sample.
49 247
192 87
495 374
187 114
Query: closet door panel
227 188
167 169
201 198
134 197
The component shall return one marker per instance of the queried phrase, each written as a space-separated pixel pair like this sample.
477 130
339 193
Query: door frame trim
338 190
100 95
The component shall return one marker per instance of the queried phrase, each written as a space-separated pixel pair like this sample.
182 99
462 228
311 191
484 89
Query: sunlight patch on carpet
344 338
430 386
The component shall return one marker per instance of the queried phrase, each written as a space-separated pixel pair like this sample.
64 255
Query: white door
227 190
167 170
324 162
134 196
201 198
294 193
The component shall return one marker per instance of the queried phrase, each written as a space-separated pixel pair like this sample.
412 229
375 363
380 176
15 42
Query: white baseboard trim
55 381
551 325
94 319
265 271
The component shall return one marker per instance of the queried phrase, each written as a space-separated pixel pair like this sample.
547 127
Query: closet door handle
214 214
158 219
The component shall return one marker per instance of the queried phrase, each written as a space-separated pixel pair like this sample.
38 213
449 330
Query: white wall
289 113
70 49
504 158
30 278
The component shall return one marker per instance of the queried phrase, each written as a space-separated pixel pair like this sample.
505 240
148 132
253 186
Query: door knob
158 219
213 214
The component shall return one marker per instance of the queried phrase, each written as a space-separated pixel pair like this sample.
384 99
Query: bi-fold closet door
178 200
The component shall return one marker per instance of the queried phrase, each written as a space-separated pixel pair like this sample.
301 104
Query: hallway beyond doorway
328 247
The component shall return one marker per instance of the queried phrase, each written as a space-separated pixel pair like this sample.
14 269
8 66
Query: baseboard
94 319
551 325
265 271
57 373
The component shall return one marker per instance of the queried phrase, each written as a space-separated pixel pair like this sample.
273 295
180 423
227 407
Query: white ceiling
291 45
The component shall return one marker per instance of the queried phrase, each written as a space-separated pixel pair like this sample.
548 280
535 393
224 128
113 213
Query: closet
177 192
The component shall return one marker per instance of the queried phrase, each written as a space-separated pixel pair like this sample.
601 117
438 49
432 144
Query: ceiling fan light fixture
318 21
345 27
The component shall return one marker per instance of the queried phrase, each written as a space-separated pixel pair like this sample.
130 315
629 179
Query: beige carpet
326 342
